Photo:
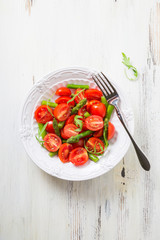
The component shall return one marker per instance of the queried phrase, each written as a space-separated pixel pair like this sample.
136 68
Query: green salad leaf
127 63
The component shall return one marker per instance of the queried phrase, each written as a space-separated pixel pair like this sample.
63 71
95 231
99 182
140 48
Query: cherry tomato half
90 103
94 123
49 127
92 94
80 96
69 130
82 111
42 114
63 135
65 99
78 144
63 91
64 152
62 112
70 119
111 130
95 144
78 156
52 142
98 109
98 133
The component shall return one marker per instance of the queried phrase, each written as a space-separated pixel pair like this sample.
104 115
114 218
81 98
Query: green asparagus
104 101
50 104
105 132
76 138
109 111
41 131
86 114
75 86
61 124
79 105
93 157
52 154
55 126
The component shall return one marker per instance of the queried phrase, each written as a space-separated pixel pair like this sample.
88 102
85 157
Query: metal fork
112 97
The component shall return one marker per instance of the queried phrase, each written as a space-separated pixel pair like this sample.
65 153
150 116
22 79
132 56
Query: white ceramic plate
43 90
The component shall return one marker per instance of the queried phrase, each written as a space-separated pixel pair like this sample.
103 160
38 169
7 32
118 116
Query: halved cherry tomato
82 111
49 127
98 109
98 133
70 119
52 142
63 135
78 156
94 123
65 99
91 94
62 112
69 130
42 114
64 152
80 96
78 144
63 91
90 103
95 144
111 130
84 128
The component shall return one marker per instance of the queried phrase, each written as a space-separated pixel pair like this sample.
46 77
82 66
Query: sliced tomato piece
70 119
49 127
64 152
98 109
84 128
94 123
98 133
93 94
111 130
82 111
42 114
52 142
62 112
65 99
90 103
78 144
80 96
69 130
95 145
63 91
63 135
78 156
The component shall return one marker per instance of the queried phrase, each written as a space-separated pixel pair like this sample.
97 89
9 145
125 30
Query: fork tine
104 84
109 82
100 87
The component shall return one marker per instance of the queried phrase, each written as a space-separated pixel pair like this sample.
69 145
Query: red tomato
82 111
98 133
111 130
63 91
70 119
94 123
78 144
69 130
80 95
78 156
64 152
63 135
52 142
95 144
90 103
65 99
91 94
62 112
84 128
42 114
98 109
49 127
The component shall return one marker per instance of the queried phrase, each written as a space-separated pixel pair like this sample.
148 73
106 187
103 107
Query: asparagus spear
76 138
105 132
50 104
93 157
79 105
75 86
55 126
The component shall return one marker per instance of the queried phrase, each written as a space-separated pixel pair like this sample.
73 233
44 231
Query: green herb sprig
78 123
75 95
126 62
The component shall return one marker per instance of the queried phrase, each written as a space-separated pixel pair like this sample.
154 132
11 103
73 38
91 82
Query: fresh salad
76 126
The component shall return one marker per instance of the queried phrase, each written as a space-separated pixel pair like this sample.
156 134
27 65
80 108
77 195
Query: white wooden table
38 37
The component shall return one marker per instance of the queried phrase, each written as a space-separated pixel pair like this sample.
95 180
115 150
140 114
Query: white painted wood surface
41 36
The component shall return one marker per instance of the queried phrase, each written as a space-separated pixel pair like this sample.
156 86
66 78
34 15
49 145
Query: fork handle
141 156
